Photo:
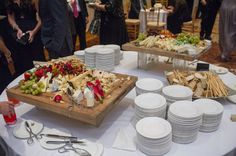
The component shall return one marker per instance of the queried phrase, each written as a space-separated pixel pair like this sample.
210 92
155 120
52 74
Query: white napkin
94 148
125 139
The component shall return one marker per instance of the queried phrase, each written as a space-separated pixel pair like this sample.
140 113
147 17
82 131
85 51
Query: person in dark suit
80 14
209 9
55 31
135 8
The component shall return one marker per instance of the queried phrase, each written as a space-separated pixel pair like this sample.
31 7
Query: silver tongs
30 140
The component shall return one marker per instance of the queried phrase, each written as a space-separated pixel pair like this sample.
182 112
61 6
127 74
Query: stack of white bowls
149 105
90 57
116 48
175 93
148 85
212 114
105 59
185 119
154 136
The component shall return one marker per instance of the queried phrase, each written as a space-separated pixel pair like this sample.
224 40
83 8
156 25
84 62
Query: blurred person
25 23
135 7
113 28
209 9
7 70
227 29
56 30
80 14
177 14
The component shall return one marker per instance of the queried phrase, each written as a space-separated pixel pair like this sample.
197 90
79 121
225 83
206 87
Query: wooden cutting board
93 116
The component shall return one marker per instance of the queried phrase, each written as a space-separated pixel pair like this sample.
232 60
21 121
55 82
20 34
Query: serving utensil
65 142
59 136
30 140
69 147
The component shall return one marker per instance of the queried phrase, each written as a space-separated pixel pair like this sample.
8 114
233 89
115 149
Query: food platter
204 84
166 45
68 106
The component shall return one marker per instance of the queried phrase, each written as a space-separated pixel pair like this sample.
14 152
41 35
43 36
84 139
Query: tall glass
11 118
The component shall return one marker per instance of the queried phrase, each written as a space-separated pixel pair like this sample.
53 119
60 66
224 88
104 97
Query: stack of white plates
185 119
212 114
154 136
116 48
105 59
175 93
80 54
90 57
148 85
149 105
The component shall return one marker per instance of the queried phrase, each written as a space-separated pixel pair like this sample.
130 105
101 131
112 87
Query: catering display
182 46
65 86
203 84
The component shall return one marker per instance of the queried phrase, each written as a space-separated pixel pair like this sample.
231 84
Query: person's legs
203 22
81 31
211 20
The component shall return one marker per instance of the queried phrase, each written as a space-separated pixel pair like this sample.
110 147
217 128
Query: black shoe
208 38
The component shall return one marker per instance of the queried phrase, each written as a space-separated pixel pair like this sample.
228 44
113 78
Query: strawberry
27 75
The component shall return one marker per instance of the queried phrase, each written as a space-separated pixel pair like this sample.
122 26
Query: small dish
20 132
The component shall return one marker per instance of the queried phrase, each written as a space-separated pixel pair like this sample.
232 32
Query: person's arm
33 32
5 50
6 108
12 22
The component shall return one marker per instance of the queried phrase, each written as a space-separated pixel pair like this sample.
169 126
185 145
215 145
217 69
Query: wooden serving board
158 51
93 116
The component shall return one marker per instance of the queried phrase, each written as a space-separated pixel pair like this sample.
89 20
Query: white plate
220 70
153 127
209 107
232 98
52 146
79 53
94 148
185 109
149 84
20 132
150 101
90 51
177 92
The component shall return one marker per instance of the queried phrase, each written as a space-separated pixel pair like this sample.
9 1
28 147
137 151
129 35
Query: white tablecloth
208 144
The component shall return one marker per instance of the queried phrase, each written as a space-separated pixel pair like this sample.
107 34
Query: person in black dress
135 8
209 9
23 18
113 28
177 14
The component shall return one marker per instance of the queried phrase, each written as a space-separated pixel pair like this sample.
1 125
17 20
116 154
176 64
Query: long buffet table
217 143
